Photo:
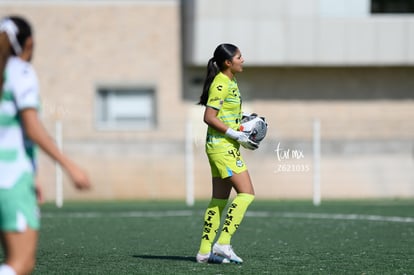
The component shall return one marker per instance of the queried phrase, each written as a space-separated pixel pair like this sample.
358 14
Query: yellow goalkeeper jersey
224 96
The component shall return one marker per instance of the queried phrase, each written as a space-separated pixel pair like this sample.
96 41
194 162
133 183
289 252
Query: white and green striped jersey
20 91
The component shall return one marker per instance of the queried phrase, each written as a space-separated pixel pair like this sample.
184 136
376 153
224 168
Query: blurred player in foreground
20 130
223 114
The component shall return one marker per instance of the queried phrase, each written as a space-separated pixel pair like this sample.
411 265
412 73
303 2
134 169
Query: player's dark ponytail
14 31
212 71
25 31
216 64
5 52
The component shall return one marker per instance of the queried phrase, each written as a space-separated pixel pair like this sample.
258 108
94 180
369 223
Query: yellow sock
212 220
234 217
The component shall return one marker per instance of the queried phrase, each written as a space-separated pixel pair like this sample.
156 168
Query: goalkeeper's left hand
242 138
247 143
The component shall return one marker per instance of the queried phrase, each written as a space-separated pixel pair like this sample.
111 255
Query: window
343 8
392 6
126 108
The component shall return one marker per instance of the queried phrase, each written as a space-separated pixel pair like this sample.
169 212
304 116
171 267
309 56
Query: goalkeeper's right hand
242 138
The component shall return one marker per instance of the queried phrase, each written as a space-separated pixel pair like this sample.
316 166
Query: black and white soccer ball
254 126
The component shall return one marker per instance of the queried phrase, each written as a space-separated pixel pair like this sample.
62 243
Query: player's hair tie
8 26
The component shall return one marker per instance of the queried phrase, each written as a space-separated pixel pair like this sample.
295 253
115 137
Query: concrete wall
83 44
367 149
329 60
301 32
365 112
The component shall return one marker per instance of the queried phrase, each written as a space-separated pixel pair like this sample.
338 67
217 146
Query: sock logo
208 224
229 218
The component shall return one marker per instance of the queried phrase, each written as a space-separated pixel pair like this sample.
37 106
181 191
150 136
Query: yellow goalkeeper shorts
224 164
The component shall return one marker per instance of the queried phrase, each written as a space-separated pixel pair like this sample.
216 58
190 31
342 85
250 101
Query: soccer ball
254 126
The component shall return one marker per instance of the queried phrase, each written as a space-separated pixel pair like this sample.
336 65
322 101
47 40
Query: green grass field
276 237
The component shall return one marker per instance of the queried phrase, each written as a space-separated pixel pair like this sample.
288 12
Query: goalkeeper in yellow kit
223 114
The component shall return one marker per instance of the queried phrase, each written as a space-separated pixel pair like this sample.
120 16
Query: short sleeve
217 94
26 88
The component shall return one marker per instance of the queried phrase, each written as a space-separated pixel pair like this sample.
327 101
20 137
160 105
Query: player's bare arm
211 119
38 134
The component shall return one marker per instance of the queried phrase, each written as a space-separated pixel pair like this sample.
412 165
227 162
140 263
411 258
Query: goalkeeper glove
242 138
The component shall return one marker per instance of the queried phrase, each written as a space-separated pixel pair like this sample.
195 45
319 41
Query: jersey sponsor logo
208 225
214 99
229 218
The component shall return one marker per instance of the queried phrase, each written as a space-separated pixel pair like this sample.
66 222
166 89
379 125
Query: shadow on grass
171 258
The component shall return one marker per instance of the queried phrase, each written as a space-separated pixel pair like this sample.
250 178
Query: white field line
128 214
353 217
257 214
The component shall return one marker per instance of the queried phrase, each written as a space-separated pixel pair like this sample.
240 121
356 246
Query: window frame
379 7
103 123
